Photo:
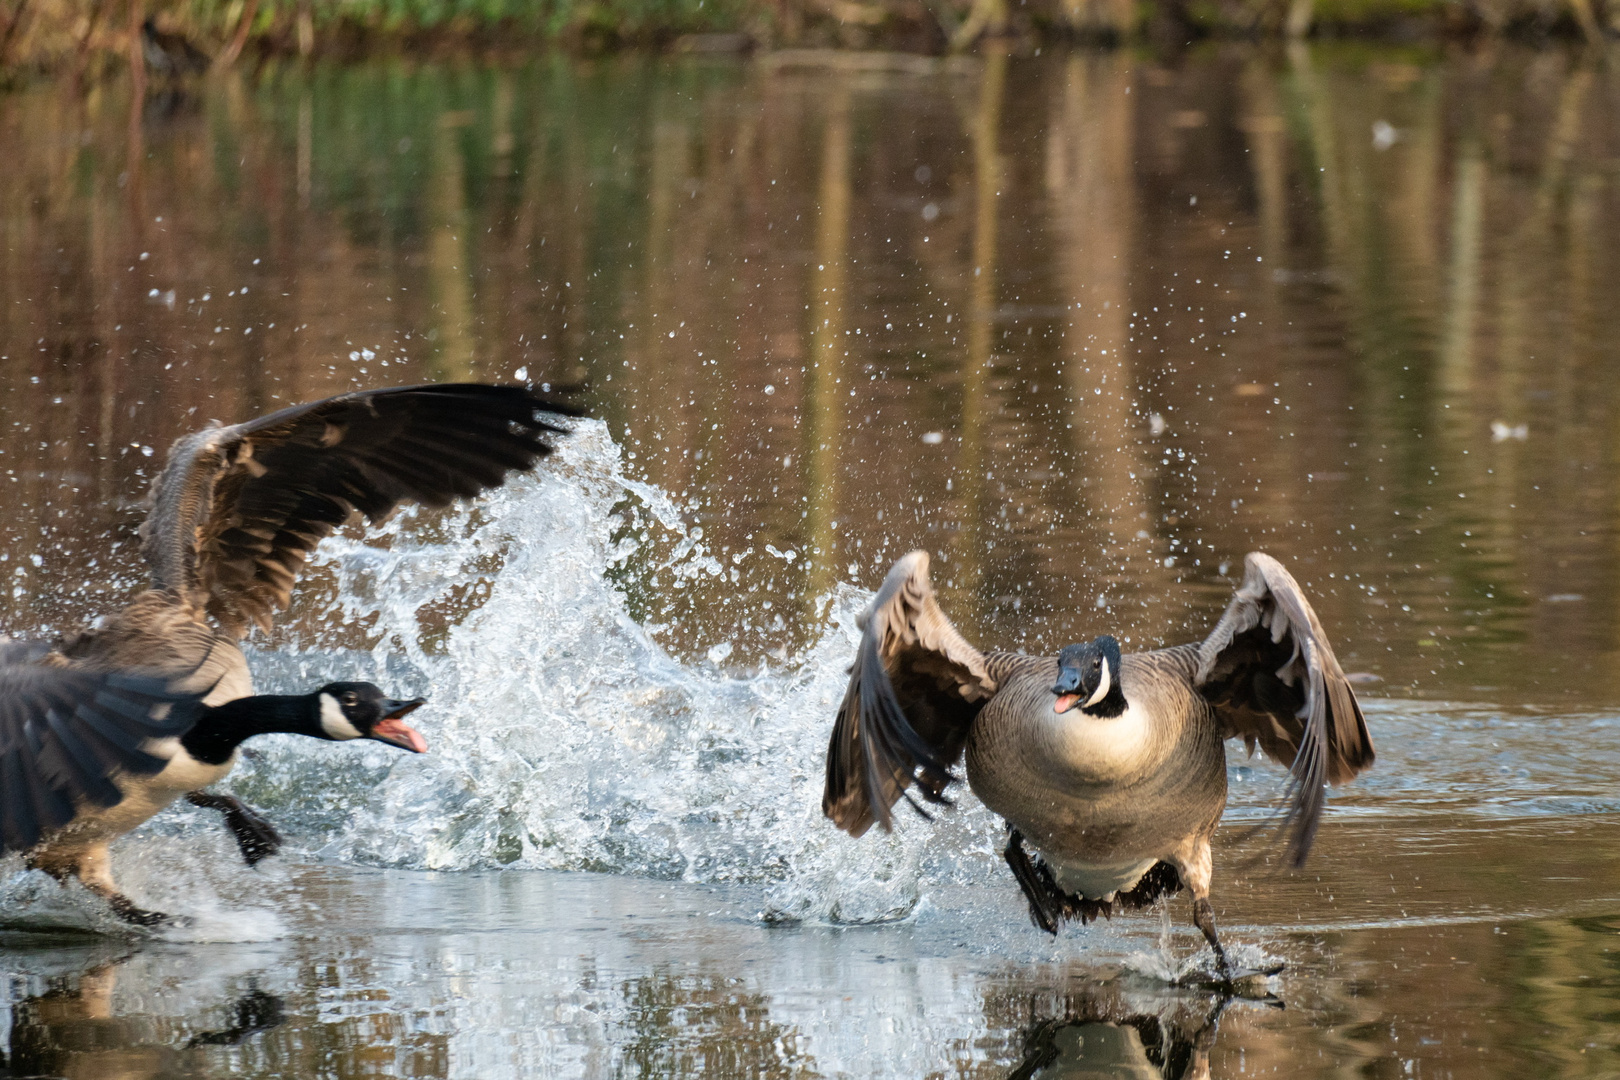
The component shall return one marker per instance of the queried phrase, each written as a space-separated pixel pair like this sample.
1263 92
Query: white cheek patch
1103 687
334 723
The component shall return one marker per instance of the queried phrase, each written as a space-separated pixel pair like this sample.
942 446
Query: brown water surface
1089 327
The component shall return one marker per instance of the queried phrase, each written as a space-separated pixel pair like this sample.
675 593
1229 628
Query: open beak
1067 690
393 730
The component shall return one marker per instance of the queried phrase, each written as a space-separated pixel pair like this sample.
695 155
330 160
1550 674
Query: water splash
198 880
563 734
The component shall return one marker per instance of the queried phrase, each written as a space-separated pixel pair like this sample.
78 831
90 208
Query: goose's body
157 636
234 514
1112 767
1076 785
80 848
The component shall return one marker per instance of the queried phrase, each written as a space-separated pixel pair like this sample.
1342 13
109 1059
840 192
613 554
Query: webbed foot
1246 983
127 910
1046 904
1241 983
256 838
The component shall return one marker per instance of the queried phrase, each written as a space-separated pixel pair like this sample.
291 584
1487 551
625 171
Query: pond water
1088 327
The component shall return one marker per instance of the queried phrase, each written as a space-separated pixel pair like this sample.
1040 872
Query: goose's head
359 710
1088 677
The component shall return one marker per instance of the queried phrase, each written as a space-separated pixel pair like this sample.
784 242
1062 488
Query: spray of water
564 736
196 876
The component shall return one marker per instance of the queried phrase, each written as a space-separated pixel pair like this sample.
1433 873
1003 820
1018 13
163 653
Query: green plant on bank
537 17
84 35
87 36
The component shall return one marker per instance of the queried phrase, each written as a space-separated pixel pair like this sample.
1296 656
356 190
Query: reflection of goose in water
1102 1039
252 1013
1113 766
73 1029
87 754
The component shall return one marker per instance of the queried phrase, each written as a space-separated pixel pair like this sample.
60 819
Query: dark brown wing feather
913 693
66 734
238 509
1272 677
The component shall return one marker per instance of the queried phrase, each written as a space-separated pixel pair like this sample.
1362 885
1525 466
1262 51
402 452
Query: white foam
563 733
195 877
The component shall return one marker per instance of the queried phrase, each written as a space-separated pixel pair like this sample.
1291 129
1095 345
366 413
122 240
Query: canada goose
234 514
86 756
1113 767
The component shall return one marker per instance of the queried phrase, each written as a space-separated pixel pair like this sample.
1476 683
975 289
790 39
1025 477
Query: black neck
1110 706
223 728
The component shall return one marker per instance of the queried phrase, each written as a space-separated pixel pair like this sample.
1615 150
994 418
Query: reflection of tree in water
704 1024
374 1035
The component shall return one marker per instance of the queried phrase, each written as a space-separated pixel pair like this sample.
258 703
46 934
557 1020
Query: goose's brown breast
1089 791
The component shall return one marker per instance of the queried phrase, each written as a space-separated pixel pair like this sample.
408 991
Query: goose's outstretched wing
66 734
913 693
1269 671
238 509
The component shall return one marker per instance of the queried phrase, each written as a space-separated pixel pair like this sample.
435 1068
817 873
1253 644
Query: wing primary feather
877 754
22 828
125 742
67 734
235 508
907 757
1269 648
79 764
140 712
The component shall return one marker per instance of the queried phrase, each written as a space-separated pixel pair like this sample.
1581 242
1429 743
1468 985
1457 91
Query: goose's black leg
100 884
256 837
1204 919
126 909
1045 909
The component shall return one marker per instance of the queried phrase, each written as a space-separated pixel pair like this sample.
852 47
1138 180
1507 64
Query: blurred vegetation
85 37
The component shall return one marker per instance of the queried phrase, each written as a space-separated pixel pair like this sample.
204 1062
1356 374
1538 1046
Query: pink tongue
1065 703
397 729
